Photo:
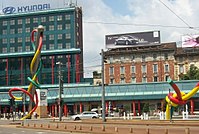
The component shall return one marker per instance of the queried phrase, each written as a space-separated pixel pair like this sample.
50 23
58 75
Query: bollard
41 125
103 128
75 127
80 127
57 126
116 129
166 131
131 130
28 124
65 127
22 124
187 131
34 125
91 128
48 125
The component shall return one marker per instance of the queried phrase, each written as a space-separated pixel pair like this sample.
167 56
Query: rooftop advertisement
190 40
132 39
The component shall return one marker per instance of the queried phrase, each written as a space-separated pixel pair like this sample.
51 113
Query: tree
145 108
192 74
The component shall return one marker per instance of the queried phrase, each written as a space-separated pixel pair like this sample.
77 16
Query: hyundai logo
9 10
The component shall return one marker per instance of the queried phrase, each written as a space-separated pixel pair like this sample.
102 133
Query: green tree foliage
192 74
145 108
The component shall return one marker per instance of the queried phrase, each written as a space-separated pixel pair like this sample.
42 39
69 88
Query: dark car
126 40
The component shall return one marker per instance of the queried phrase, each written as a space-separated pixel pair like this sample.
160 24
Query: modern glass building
62 42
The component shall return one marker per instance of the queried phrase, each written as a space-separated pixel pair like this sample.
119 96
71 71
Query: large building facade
62 42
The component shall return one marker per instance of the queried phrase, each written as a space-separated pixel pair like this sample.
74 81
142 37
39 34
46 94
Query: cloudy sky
173 18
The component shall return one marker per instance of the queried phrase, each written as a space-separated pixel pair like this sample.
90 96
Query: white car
85 115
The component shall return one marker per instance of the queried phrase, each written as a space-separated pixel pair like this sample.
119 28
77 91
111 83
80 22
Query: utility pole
103 89
60 90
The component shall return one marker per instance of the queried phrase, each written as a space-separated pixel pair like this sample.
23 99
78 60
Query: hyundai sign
23 9
133 39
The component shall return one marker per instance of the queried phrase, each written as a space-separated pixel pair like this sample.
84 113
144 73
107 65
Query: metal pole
103 89
24 104
60 109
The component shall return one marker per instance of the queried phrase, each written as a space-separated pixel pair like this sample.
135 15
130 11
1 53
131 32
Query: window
122 80
167 77
155 68
27 20
43 47
68 36
19 21
27 48
122 58
19 30
12 49
4 31
51 18
35 20
5 41
143 58
166 56
111 59
12 22
12 40
51 27
133 58
59 17
51 37
67 45
144 80
51 46
111 70
59 27
181 69
67 26
19 49
4 50
60 46
122 70
154 57
19 40
112 81
155 78
133 69
5 23
166 68
59 36
27 39
27 30
67 17
143 68
12 31
43 19
133 80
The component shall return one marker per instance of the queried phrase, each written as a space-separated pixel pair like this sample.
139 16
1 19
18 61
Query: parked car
85 115
126 40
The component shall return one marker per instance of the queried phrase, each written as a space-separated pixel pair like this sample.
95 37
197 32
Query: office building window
67 17
51 37
27 39
59 27
19 40
166 56
4 32
59 36
111 70
144 80
181 69
166 68
4 50
43 19
19 30
59 17
122 80
51 18
68 36
67 26
5 23
111 59
122 70
143 68
12 22
35 20
60 46
133 69
27 20
154 57
51 46
5 41
19 49
155 78
43 47
12 40
19 21
68 45
12 31
27 48
155 68
133 80
143 58
27 30
51 27
12 49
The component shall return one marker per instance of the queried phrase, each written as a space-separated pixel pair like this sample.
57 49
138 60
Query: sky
173 18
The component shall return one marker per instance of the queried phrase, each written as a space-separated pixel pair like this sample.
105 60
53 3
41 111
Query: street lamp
60 90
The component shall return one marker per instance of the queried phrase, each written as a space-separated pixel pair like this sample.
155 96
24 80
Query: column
134 110
192 106
106 107
53 110
65 110
139 110
80 107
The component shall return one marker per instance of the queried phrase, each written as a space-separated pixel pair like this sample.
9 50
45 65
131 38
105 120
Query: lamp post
103 89
60 90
